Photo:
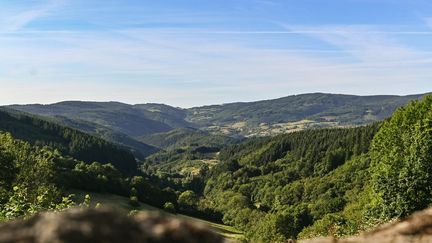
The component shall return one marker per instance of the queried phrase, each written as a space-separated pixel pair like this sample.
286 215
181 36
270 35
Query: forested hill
297 112
67 140
348 109
274 188
187 137
131 120
323 182
111 120
138 148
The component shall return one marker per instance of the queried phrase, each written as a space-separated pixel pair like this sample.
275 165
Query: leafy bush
169 207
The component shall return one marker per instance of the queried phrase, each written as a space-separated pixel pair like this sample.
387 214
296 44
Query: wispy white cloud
367 44
15 21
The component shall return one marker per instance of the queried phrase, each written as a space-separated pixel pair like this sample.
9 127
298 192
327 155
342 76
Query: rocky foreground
104 226
110 226
415 229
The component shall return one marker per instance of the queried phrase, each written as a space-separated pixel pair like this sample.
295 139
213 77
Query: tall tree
401 155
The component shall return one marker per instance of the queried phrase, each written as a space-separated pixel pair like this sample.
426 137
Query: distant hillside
68 141
186 151
131 120
113 121
297 112
139 149
186 137
261 118
171 116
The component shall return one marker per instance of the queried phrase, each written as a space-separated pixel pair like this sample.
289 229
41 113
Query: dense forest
187 137
317 182
41 162
35 178
69 141
338 181
263 185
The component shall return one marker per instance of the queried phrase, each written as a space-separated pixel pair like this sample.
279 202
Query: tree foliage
402 161
275 188
68 141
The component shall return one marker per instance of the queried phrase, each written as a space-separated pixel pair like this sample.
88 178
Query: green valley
309 182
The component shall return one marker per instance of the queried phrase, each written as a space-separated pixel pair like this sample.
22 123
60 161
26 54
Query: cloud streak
211 67
17 21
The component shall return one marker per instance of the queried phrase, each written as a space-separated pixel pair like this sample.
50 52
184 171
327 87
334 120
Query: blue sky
195 52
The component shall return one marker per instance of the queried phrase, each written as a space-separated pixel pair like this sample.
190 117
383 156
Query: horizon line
218 104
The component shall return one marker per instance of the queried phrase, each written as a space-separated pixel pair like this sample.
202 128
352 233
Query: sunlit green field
122 203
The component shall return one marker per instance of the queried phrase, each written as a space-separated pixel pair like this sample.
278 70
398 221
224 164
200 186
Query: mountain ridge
240 119
219 104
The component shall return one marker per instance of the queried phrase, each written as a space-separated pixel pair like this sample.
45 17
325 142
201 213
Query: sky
195 52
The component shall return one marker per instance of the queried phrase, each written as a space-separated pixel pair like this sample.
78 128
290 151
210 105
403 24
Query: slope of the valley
260 118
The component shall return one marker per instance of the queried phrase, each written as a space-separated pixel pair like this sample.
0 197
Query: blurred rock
104 225
415 229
